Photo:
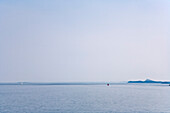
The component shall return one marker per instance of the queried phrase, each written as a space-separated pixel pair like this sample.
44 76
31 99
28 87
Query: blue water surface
127 98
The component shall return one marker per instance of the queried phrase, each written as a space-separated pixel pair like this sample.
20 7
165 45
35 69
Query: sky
84 40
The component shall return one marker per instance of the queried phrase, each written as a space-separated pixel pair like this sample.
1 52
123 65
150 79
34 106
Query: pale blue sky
84 40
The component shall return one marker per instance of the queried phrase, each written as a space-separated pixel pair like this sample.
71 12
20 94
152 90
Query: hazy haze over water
87 40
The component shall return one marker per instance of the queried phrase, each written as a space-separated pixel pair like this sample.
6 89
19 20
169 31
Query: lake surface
125 98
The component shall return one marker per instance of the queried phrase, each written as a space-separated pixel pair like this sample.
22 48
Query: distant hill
149 81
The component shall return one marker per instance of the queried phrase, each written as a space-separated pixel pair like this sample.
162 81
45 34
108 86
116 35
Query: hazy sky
84 40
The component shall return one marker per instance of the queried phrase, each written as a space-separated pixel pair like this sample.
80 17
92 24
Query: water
85 99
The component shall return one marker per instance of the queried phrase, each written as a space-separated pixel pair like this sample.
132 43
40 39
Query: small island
150 81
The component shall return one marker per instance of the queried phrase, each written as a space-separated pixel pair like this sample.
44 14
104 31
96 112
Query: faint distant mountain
149 81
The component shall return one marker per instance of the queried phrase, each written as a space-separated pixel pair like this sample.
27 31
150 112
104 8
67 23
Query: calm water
85 99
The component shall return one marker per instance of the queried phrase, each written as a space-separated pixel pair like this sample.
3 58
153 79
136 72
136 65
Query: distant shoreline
63 83
150 81
84 83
